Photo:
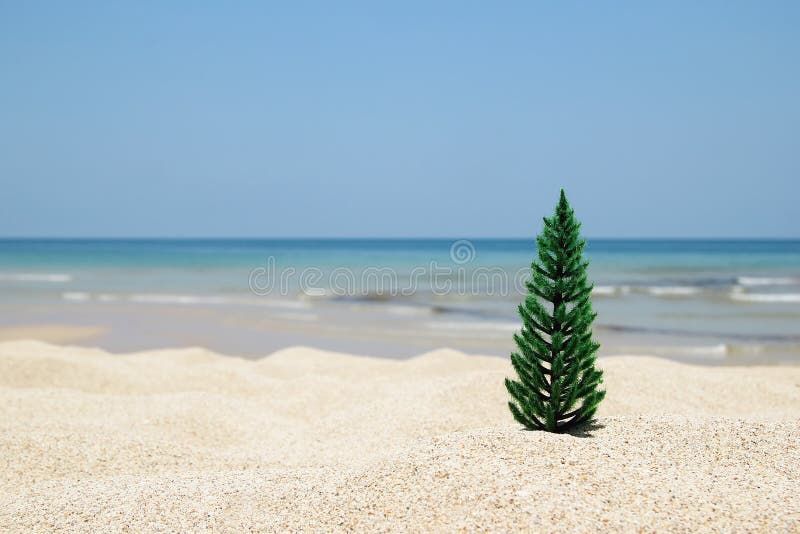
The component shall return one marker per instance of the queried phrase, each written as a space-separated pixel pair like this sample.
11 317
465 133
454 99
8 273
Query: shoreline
361 329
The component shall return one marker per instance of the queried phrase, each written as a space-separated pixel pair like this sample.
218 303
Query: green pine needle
557 384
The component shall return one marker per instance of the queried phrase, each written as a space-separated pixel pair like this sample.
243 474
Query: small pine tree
557 386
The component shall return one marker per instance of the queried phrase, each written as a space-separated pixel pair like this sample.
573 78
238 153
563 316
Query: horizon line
374 238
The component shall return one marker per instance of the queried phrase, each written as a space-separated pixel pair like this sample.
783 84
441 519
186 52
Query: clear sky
416 119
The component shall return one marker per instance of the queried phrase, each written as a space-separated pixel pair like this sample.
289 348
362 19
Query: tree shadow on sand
585 430
582 431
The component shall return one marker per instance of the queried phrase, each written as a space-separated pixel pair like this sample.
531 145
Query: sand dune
312 440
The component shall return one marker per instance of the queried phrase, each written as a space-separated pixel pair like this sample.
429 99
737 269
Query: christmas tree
557 385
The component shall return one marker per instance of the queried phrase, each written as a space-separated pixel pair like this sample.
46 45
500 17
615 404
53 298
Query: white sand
311 440
52 333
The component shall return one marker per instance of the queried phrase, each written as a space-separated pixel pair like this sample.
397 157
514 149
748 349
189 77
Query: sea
704 301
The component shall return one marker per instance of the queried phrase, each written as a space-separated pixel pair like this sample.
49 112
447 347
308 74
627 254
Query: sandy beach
265 267
318 441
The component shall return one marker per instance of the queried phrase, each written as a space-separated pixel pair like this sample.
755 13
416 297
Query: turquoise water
694 299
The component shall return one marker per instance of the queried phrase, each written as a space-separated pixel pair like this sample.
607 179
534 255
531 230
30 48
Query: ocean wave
671 291
701 286
765 297
177 299
369 296
158 298
473 325
604 291
719 350
767 281
732 352
76 296
409 310
765 338
654 291
36 277
186 300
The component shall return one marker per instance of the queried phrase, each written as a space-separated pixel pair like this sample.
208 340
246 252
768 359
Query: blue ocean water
729 300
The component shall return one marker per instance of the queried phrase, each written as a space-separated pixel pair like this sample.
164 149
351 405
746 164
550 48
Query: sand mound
305 439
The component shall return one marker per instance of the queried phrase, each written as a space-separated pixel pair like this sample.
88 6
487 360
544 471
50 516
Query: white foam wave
281 303
467 325
177 299
407 310
765 297
159 298
718 351
188 300
611 291
712 350
36 277
672 291
76 296
604 291
767 280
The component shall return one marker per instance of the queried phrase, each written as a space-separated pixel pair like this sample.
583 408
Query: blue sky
417 119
